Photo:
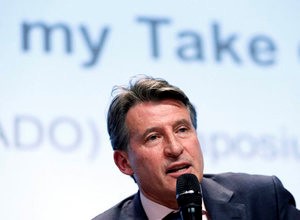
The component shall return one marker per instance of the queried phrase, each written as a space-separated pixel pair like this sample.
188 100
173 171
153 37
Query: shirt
155 211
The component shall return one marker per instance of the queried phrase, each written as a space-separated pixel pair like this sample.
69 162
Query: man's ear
122 162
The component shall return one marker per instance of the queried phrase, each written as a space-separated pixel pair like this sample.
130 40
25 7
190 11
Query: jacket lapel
133 209
217 201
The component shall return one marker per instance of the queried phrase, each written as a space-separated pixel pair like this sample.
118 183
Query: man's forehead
154 115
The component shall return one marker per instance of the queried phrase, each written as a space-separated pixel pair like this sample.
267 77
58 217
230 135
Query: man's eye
182 129
152 138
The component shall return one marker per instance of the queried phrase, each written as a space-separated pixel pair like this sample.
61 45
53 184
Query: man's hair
140 90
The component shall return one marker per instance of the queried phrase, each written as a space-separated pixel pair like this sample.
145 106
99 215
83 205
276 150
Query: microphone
189 197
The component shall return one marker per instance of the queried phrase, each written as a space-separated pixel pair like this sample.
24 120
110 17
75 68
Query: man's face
163 145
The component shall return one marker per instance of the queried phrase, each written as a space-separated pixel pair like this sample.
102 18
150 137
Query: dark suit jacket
227 196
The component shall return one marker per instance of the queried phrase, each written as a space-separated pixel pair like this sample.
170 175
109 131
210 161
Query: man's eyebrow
182 121
149 130
155 129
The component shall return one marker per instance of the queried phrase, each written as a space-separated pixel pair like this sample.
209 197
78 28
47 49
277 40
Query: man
152 127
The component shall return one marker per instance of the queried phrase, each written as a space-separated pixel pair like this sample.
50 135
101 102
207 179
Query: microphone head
188 190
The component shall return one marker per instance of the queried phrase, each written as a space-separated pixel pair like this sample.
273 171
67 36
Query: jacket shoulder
257 191
244 179
115 212
249 186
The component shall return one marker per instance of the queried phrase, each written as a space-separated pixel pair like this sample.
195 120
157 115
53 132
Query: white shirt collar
155 211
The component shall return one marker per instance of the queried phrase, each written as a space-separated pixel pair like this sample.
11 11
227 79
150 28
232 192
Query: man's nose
173 147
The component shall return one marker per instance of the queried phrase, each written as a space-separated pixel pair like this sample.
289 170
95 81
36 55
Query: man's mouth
178 169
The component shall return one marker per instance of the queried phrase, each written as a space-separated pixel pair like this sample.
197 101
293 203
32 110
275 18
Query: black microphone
189 197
